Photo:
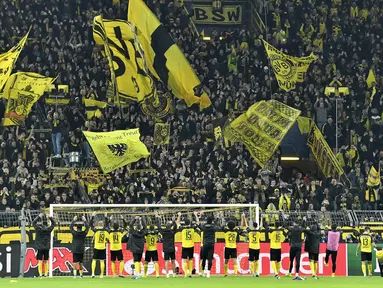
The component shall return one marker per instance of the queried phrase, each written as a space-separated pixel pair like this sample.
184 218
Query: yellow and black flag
161 134
22 90
8 59
117 148
165 59
130 77
373 179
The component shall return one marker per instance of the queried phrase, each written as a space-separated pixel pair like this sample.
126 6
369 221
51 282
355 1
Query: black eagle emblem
118 149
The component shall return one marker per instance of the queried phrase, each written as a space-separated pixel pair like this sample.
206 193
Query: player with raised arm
100 239
254 236
208 240
231 237
187 239
43 241
312 243
78 243
168 246
333 238
151 253
366 245
136 243
276 236
295 238
116 234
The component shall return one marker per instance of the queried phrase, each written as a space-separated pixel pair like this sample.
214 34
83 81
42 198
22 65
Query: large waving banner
129 75
323 154
288 69
117 148
22 90
262 128
8 59
166 61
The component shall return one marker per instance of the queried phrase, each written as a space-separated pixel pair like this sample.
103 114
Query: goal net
61 258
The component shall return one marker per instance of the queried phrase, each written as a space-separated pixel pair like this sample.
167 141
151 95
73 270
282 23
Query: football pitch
195 282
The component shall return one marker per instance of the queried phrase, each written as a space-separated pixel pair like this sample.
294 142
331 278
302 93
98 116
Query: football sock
252 267
80 269
316 267
226 268
157 269
200 267
274 267
145 269
40 268
364 269
46 268
235 269
278 265
190 266
137 267
312 267
121 267
102 267
185 267
93 266
114 268
75 272
256 266
369 268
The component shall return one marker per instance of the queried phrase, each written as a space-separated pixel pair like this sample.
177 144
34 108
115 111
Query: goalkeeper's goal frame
88 208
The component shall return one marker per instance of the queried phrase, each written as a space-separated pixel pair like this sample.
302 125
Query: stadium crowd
345 35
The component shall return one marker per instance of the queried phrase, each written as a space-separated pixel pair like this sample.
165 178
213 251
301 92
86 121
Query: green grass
195 282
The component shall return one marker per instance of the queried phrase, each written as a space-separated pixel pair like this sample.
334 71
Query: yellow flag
92 108
161 134
323 154
8 59
22 90
370 78
373 177
304 124
288 69
129 73
262 128
117 148
165 59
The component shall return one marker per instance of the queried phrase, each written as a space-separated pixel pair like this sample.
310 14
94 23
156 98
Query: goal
61 262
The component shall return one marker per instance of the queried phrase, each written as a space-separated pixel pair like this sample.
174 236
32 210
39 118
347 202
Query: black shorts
207 252
116 255
151 256
43 254
230 253
137 257
169 256
78 257
253 255
313 256
365 256
99 254
187 253
275 255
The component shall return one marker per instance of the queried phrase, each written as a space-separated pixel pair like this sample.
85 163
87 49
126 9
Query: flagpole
265 6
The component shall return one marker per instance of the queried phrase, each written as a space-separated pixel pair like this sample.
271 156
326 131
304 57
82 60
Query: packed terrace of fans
346 37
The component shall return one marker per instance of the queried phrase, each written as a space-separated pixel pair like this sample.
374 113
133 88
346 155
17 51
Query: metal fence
341 218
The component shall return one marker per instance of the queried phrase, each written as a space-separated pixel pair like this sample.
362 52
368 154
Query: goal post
60 260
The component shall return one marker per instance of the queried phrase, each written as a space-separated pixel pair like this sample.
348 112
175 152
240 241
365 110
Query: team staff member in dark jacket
209 230
312 247
295 237
168 246
78 243
43 240
136 243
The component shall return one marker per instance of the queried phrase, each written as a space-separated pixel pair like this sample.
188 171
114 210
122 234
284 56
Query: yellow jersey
276 239
100 238
365 241
187 237
115 239
231 237
151 241
254 240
